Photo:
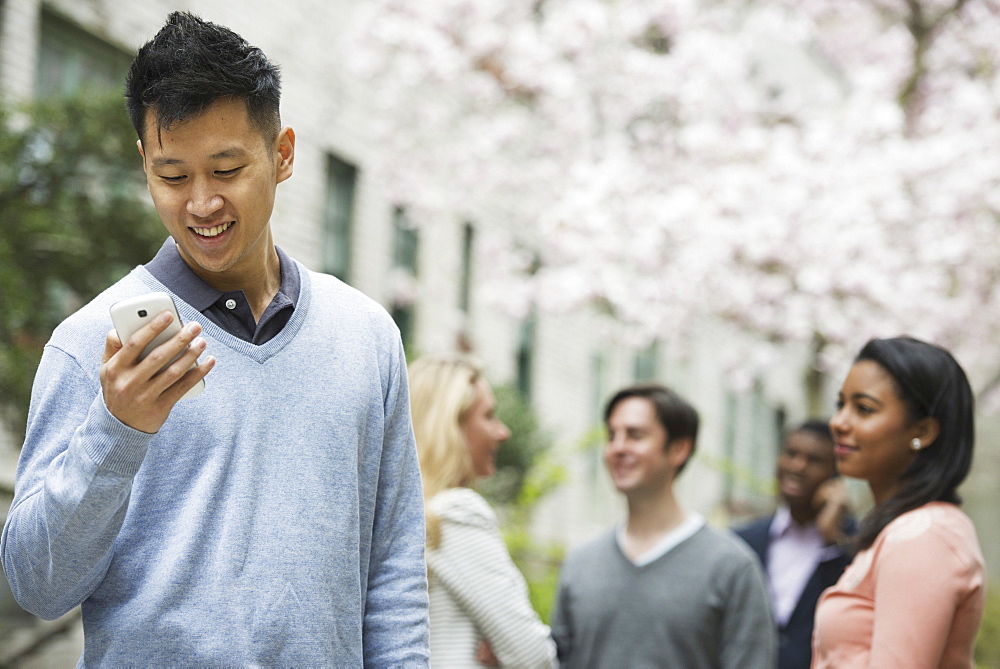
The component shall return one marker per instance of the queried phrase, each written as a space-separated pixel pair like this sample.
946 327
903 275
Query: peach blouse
914 599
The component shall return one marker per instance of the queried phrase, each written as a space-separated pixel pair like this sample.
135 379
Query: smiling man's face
213 179
805 462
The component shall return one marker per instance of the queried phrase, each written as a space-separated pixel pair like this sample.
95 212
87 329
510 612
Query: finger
133 347
835 493
164 354
178 364
112 344
191 378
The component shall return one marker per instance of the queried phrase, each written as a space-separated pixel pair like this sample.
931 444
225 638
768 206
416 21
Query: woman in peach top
913 596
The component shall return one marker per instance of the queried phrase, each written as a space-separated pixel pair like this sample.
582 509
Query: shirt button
230 304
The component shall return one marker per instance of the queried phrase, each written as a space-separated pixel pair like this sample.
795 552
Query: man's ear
138 145
927 430
285 147
679 450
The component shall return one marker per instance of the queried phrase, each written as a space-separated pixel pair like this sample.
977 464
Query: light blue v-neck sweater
276 519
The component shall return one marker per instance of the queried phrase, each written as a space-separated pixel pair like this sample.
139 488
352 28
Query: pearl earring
915 444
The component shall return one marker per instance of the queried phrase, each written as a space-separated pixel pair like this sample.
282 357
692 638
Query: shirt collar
170 269
781 522
691 524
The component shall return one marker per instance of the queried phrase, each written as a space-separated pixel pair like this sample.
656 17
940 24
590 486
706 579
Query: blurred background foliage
526 471
74 217
988 642
515 481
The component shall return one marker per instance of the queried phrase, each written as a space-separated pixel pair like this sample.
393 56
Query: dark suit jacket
795 638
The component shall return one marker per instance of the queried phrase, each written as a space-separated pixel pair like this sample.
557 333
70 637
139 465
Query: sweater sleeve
73 484
395 620
748 637
475 567
919 572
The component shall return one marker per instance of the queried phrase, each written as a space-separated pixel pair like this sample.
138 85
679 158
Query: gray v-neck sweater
701 605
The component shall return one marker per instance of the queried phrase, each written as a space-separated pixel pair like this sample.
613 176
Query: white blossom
797 169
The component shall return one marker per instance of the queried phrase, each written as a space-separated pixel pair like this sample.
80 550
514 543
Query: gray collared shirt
229 310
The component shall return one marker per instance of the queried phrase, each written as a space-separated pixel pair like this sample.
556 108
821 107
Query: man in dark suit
799 545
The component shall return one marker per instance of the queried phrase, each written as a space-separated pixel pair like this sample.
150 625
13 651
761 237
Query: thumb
112 344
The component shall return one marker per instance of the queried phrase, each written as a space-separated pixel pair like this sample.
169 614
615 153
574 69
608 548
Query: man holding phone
273 519
800 545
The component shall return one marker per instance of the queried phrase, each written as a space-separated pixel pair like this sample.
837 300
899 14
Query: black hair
675 414
189 65
931 383
815 426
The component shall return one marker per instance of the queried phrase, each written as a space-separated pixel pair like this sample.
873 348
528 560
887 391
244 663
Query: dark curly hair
192 63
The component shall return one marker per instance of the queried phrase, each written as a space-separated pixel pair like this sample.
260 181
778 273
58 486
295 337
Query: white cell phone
131 314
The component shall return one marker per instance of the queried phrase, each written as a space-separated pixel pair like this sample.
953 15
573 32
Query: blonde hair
442 390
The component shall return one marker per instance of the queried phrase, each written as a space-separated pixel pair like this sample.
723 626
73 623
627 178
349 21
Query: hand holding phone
833 503
131 314
153 364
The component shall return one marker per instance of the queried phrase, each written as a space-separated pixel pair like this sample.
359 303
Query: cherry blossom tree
808 172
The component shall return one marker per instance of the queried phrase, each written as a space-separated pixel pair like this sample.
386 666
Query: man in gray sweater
663 589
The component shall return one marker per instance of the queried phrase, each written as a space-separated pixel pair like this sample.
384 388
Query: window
526 356
646 363
71 60
599 385
753 430
405 242
341 181
465 287
597 435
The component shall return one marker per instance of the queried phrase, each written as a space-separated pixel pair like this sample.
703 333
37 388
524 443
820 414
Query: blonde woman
479 608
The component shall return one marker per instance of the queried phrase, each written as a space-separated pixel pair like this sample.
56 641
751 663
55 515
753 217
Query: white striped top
477 593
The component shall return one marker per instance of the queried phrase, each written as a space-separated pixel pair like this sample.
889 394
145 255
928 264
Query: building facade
334 217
